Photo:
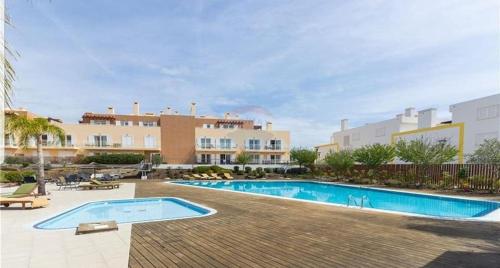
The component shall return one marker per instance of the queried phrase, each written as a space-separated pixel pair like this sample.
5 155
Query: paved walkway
24 246
253 231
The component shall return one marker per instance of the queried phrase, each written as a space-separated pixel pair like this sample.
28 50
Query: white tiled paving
24 246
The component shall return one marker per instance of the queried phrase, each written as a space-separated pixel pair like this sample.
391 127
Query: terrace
247 230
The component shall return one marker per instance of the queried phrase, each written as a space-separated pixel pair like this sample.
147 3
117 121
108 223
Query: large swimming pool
363 197
126 211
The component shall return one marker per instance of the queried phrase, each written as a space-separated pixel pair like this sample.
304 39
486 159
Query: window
356 136
124 123
254 144
275 159
149 141
45 139
100 141
225 143
275 144
69 140
208 126
380 132
205 158
149 124
99 122
127 140
255 159
480 137
206 143
487 112
347 141
225 159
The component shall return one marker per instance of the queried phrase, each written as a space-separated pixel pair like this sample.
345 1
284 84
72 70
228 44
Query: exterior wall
239 143
452 134
82 144
481 118
324 149
246 124
178 139
373 133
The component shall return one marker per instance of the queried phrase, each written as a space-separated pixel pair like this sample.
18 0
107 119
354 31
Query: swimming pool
126 211
365 197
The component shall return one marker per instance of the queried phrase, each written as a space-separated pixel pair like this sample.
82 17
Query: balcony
119 146
216 147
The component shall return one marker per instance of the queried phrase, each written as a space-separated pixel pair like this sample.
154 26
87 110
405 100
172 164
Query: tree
341 162
27 129
487 153
424 152
243 158
304 157
373 156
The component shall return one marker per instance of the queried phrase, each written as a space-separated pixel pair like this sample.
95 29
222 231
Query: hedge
211 169
114 159
14 176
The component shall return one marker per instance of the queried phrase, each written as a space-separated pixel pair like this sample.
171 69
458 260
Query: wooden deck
251 231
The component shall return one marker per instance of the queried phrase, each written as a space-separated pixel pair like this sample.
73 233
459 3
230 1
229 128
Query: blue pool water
125 211
428 205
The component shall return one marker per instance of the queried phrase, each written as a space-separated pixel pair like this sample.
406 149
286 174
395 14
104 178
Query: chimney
427 118
135 109
161 112
111 110
193 109
226 115
344 124
176 112
410 112
269 126
168 111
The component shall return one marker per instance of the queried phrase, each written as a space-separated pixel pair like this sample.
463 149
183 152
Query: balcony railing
44 144
215 147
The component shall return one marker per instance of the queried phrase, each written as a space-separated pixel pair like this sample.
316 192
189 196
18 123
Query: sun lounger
111 183
205 176
215 176
228 176
90 186
35 202
24 190
92 227
187 177
197 176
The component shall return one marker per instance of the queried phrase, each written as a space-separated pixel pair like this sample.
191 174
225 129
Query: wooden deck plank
253 231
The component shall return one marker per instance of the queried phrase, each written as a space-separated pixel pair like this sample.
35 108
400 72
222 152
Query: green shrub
12 160
240 172
114 159
259 170
248 169
236 169
268 170
201 169
14 176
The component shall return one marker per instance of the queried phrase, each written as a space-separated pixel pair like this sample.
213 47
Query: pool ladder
363 201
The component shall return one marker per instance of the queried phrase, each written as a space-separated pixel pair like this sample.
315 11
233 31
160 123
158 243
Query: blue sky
303 65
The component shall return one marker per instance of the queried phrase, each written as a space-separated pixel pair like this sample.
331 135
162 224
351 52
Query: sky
303 65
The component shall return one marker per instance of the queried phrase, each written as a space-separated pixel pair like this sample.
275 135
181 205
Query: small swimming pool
126 211
365 197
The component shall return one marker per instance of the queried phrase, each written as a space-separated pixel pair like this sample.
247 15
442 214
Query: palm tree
27 129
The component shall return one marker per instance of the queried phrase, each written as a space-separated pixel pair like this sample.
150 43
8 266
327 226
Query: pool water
126 211
353 196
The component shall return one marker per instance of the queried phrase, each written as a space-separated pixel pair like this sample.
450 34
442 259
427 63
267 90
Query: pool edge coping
483 218
211 211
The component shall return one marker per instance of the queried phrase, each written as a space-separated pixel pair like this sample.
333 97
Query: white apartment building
471 123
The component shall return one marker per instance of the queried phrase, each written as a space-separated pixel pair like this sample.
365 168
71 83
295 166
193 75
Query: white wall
481 118
379 132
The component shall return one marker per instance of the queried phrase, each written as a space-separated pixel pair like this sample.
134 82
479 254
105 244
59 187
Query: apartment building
179 139
471 123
